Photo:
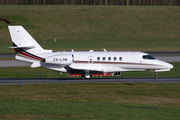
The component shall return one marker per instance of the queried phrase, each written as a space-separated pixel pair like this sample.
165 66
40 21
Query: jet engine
60 59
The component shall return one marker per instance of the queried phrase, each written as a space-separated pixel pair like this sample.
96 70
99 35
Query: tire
156 77
83 77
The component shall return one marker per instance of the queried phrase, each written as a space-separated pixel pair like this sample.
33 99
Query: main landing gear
83 77
86 75
156 76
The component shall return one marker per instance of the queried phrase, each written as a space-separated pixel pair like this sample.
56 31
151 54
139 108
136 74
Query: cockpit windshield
149 57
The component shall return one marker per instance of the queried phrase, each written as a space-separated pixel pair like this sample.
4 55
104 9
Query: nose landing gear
156 76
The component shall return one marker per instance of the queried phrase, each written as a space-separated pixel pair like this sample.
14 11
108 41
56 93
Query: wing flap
85 68
88 68
162 70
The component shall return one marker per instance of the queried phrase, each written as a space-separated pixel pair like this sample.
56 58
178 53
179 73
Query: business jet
85 63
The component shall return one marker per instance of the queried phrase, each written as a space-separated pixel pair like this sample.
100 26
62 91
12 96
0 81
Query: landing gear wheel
156 77
83 77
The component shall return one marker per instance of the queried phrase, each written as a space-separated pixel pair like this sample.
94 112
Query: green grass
85 110
19 20
28 72
116 28
136 101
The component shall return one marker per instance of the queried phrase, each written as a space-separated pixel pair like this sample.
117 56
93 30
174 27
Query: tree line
93 2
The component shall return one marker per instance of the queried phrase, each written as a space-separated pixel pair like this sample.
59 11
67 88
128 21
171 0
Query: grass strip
84 110
116 28
137 101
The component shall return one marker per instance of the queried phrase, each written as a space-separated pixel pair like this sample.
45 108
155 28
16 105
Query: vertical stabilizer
22 39
25 45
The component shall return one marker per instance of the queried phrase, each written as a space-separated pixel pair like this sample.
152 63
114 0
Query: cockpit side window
149 57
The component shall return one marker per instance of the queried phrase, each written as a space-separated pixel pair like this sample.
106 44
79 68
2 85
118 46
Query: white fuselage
105 62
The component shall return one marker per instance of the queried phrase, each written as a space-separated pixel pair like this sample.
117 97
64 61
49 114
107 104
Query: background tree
127 2
91 2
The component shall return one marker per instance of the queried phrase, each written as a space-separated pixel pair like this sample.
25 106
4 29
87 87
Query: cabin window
104 58
120 58
109 58
98 58
149 57
115 58
72 58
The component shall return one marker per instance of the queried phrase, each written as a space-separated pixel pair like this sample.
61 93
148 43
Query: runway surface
6 81
13 63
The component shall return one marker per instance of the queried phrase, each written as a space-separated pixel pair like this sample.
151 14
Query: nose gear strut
156 76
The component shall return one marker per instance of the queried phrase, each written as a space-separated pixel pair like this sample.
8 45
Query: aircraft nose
169 66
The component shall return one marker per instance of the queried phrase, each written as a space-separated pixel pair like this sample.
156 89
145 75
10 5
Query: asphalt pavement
6 81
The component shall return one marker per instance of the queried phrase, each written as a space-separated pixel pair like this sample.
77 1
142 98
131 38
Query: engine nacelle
60 59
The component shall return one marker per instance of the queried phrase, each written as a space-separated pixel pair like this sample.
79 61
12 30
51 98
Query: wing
80 69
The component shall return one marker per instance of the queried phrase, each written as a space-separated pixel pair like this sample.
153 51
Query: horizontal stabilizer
23 47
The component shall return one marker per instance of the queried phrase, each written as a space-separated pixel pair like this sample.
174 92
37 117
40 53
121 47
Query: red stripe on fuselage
30 56
96 62
27 55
